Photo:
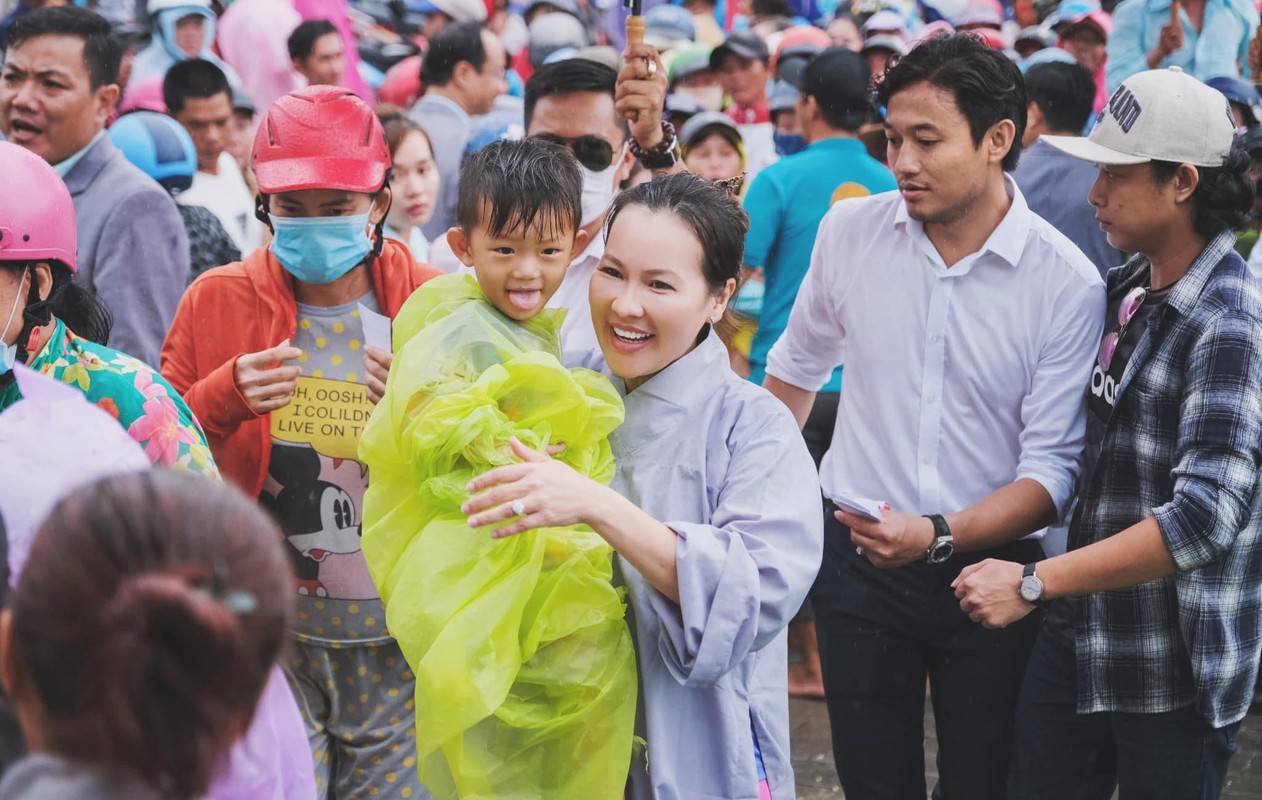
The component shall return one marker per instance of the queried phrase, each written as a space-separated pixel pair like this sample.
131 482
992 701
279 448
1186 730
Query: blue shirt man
788 199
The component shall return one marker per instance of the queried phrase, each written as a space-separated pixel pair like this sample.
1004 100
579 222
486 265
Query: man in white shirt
197 94
969 326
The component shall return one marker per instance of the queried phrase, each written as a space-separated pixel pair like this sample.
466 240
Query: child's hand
539 493
261 379
376 369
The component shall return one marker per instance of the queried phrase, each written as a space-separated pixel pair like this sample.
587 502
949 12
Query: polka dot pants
361 720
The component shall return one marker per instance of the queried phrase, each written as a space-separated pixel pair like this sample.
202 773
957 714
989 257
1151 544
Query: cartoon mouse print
321 521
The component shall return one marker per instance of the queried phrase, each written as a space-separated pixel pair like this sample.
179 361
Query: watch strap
940 527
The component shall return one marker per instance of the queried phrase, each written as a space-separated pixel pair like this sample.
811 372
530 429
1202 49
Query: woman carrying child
714 511
524 663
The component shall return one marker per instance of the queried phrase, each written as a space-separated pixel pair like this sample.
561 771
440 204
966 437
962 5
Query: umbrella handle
635 35
635 30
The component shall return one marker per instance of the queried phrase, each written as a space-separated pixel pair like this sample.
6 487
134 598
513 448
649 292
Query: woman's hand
264 379
547 493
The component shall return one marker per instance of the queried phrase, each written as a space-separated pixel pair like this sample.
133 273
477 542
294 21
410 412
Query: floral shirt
132 392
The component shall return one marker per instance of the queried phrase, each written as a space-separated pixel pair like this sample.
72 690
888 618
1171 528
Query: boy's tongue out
525 300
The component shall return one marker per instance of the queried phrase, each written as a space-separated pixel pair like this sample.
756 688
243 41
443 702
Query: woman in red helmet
271 354
52 325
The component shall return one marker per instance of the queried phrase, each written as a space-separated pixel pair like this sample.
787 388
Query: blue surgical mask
9 352
320 249
788 143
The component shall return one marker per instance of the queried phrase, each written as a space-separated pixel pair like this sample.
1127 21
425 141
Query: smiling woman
714 511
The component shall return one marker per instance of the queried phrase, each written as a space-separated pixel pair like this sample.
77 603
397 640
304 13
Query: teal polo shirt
785 203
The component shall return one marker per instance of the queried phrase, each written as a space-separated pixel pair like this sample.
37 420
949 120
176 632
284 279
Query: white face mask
598 189
9 352
710 98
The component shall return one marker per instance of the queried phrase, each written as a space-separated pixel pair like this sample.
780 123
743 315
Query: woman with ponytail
139 638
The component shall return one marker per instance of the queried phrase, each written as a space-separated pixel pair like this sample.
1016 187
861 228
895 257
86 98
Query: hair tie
732 186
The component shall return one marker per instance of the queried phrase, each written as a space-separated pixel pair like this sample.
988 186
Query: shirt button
935 338
931 399
927 461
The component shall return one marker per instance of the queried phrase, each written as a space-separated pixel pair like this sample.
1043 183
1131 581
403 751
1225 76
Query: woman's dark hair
396 124
1223 197
146 622
519 185
709 211
460 41
987 86
75 305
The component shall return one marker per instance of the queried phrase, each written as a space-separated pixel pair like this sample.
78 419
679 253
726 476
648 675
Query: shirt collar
1187 290
661 403
1007 240
838 143
447 101
63 168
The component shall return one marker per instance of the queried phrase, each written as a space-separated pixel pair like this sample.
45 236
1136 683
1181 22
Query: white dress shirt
578 334
958 381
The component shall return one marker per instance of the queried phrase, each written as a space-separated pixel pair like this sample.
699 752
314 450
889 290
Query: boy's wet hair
521 185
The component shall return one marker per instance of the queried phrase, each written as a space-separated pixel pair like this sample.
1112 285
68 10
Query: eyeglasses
592 152
1131 303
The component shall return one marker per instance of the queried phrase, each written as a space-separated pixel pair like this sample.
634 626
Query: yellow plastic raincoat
525 671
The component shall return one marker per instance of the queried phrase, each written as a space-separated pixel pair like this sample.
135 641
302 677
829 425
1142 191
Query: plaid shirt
1183 444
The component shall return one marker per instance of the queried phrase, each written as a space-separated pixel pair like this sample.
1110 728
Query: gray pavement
817 779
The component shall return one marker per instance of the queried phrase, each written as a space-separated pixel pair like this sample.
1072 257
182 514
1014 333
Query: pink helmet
37 223
144 96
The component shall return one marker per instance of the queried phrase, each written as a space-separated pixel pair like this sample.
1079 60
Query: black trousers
881 634
1059 754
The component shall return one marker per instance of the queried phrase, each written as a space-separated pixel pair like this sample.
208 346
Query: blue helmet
159 146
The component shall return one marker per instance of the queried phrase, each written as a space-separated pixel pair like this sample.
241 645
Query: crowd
463 399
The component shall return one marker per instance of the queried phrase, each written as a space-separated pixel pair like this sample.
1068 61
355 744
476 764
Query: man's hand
990 593
1170 41
640 97
263 382
376 369
895 541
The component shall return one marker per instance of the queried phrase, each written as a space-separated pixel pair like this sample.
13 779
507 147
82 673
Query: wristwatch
663 155
943 546
1031 586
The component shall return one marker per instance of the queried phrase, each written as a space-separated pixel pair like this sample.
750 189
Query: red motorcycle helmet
320 137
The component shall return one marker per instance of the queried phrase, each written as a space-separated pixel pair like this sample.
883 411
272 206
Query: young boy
270 354
520 647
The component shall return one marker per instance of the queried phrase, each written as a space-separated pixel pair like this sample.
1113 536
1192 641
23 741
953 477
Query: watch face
941 550
1031 589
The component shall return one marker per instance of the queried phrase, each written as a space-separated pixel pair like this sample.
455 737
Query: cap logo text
1124 108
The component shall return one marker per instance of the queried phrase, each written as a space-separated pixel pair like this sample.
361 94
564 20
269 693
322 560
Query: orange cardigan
242 308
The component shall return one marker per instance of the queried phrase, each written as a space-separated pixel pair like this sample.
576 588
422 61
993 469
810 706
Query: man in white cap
1149 652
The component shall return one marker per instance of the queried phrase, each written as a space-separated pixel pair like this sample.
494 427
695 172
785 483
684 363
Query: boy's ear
580 243
459 244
